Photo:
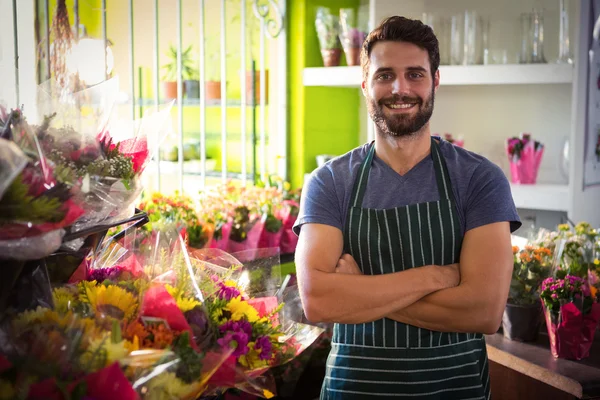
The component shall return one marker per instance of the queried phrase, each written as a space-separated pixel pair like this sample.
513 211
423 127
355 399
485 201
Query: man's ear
363 87
436 80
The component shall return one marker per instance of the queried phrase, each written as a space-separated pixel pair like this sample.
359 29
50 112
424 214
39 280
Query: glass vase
564 42
537 37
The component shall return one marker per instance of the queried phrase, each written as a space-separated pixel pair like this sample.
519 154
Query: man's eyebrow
417 68
383 69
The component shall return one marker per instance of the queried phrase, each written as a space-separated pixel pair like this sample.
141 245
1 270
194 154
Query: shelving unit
507 74
486 104
545 197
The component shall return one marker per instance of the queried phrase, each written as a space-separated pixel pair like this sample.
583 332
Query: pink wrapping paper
270 239
571 337
289 241
249 246
222 243
264 306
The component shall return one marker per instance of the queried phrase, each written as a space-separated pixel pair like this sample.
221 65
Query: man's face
400 90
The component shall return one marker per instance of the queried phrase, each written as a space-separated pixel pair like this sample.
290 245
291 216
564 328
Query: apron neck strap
439 165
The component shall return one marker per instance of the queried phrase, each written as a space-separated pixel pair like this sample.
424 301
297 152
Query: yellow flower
112 301
596 262
64 300
183 303
268 394
167 386
240 309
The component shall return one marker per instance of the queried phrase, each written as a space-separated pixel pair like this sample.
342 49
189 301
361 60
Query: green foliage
18 205
188 69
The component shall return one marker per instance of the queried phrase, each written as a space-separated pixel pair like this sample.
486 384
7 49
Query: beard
401 125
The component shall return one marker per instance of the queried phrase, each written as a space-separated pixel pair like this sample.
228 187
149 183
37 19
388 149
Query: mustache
403 99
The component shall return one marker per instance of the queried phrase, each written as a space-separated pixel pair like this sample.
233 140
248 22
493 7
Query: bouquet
572 316
328 30
351 36
257 318
36 205
525 156
136 321
105 155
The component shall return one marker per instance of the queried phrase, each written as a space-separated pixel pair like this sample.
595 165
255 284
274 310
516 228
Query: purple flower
265 346
237 341
102 274
198 320
236 326
227 292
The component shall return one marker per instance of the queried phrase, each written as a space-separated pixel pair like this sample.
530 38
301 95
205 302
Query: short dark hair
401 29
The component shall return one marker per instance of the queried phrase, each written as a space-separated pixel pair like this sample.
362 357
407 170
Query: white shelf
509 74
541 197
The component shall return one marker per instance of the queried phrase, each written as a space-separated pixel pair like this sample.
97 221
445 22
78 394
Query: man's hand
347 265
449 275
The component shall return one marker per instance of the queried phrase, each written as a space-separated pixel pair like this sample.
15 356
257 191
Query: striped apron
385 358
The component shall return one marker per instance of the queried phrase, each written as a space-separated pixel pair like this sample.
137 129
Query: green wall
321 120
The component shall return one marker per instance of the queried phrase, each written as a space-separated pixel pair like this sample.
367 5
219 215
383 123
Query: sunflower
241 309
64 300
112 301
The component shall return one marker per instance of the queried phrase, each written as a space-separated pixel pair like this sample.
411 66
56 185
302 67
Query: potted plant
188 71
522 316
328 30
351 36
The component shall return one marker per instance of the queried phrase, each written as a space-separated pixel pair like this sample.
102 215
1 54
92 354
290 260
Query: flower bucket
522 322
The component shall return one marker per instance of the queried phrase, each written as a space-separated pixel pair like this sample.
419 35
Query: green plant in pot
328 30
188 71
523 313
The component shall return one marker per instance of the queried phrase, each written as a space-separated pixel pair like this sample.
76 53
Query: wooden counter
528 370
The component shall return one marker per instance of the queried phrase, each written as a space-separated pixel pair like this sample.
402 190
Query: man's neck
403 153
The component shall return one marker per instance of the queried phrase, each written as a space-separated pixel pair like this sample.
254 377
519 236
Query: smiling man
405 242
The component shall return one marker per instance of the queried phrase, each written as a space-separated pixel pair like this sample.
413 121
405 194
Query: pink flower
554 296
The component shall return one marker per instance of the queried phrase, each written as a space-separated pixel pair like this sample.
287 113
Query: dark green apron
386 358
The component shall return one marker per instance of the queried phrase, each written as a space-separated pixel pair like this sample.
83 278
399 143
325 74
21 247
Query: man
405 242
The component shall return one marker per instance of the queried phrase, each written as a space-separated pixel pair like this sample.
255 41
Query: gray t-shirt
481 190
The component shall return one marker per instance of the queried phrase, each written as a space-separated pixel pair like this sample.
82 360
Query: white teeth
402 105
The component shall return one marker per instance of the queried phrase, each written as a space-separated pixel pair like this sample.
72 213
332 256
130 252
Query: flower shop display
328 30
522 316
351 36
137 320
572 316
525 156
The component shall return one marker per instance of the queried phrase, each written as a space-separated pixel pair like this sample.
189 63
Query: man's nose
400 86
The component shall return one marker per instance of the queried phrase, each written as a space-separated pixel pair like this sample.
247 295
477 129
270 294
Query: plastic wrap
105 155
257 315
136 320
35 205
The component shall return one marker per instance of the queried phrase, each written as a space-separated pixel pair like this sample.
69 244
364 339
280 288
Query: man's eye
384 77
415 75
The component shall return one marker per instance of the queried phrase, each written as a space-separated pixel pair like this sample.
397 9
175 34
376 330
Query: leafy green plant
531 266
188 69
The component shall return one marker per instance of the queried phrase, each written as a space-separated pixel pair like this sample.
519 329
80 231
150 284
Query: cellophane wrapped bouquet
95 149
525 156
135 327
36 204
257 316
570 295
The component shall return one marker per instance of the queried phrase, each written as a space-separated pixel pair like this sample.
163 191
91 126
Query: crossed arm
429 297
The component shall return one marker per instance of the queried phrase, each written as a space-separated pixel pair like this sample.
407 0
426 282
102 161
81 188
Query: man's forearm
353 299
457 309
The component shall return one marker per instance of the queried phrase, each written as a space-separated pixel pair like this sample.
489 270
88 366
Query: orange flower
135 329
160 337
515 249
